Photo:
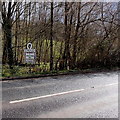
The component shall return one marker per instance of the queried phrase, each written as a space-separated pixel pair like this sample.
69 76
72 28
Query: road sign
29 54
29 46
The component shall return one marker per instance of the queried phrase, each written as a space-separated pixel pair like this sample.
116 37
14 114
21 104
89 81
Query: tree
51 38
118 33
76 37
7 28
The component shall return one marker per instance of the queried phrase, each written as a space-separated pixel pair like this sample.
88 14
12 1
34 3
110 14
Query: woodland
65 35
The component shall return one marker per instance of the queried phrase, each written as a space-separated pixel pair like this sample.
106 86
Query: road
92 95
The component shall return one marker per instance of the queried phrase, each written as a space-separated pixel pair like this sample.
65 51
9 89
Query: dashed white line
111 84
46 96
56 94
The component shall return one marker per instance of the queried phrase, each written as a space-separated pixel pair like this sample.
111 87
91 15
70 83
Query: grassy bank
26 71
20 71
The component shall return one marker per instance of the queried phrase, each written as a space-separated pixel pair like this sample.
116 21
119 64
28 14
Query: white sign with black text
30 54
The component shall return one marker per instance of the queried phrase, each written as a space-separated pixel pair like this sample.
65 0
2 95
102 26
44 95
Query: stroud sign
30 54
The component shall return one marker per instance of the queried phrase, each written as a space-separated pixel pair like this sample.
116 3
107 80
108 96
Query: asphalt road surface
93 95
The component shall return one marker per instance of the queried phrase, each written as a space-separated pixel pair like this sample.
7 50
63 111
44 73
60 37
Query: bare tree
51 38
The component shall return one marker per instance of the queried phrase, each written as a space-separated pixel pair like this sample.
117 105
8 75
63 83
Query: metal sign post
29 55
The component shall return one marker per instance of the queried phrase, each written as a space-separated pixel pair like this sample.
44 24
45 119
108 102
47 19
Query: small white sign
29 54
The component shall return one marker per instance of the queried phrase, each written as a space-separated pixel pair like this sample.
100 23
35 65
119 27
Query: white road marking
56 94
111 84
45 96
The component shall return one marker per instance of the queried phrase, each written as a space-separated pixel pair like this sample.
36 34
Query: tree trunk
4 57
7 27
65 56
75 38
118 34
51 39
